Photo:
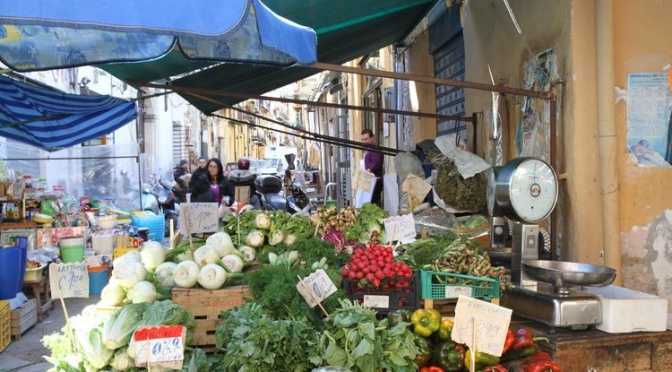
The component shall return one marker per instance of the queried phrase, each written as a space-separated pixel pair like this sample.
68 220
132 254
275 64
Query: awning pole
432 80
380 110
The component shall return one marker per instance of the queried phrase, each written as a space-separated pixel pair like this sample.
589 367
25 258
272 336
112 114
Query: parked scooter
269 189
158 197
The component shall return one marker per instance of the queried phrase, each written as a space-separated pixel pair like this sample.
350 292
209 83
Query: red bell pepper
539 362
508 342
495 368
431 369
542 366
524 344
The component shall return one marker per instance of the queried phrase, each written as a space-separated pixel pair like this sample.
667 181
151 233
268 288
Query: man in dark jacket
373 162
200 171
180 189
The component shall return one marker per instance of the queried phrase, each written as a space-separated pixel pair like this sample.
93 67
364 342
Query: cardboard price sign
400 228
489 321
69 280
242 194
160 346
199 218
316 287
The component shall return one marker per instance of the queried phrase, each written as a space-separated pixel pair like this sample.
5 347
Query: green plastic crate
441 286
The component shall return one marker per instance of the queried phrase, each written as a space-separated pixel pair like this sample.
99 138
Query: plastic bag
435 220
406 163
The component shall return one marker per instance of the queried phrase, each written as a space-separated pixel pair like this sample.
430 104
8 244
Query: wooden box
5 325
24 318
206 306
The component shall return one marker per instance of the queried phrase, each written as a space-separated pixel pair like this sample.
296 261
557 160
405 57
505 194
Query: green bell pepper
398 316
449 356
482 360
445 330
425 353
425 322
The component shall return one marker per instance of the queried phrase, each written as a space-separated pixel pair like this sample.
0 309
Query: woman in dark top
211 184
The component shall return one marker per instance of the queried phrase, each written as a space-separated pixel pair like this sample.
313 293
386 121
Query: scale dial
526 189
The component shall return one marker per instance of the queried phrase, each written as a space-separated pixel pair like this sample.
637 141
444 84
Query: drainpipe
608 140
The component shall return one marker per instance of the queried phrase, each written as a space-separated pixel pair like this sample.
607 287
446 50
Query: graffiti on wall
647 257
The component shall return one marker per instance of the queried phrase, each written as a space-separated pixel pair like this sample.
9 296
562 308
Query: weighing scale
525 190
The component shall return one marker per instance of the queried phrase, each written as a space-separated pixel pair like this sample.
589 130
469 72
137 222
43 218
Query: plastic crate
5 325
388 297
441 286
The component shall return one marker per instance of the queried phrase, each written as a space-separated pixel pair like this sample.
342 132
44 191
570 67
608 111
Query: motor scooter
158 197
270 190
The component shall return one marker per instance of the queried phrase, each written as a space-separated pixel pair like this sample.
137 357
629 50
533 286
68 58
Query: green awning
346 29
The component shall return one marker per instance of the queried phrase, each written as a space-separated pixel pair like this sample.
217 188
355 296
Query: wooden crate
206 306
24 318
5 325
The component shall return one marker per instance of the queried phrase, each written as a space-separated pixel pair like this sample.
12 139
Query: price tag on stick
242 194
400 228
316 287
160 347
486 322
69 280
199 218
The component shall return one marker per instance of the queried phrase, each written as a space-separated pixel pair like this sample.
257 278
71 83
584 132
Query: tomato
359 275
370 277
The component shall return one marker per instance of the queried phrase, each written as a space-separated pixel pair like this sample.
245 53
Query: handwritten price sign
316 287
199 218
400 228
489 321
69 280
160 346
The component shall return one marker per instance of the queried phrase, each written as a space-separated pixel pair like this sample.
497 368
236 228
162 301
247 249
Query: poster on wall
533 135
649 119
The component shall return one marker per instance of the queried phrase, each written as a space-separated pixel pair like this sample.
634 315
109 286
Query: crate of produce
441 286
24 318
392 294
5 325
206 305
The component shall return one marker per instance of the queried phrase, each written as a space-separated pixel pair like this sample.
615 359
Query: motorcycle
269 189
158 197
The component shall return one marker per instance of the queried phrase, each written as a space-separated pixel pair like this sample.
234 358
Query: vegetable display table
594 350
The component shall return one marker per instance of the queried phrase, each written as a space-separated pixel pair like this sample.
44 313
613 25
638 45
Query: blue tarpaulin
46 34
53 120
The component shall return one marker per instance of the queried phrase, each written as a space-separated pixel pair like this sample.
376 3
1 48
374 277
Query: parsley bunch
255 342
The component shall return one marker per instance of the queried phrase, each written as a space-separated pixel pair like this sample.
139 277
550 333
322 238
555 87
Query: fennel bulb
143 291
222 243
233 263
113 294
206 254
152 255
129 274
185 274
164 274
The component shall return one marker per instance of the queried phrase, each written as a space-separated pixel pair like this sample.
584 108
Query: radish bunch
374 263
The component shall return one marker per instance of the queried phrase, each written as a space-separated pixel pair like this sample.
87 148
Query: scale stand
525 246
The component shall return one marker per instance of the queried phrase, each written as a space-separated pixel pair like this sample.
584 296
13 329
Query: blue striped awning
53 120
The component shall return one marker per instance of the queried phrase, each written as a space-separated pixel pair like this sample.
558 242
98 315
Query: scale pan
562 273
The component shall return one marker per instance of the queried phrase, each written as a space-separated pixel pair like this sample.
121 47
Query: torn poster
649 120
